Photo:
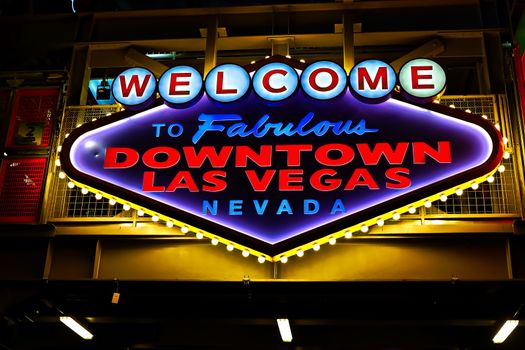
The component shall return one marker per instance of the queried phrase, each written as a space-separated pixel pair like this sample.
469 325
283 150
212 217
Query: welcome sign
280 157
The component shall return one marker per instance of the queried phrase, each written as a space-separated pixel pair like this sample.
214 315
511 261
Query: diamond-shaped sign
275 176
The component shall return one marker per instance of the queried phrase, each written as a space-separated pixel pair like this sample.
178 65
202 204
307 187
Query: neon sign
293 162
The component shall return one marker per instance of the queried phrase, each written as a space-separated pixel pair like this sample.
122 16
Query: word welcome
371 80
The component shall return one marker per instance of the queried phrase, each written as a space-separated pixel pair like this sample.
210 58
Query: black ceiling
239 315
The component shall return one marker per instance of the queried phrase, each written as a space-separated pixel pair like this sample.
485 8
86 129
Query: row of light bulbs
315 246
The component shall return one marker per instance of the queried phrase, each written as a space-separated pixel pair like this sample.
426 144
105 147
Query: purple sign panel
274 175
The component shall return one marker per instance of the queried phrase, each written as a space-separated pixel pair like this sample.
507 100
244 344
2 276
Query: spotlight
76 327
285 330
505 331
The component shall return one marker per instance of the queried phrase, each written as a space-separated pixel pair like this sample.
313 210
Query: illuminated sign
299 159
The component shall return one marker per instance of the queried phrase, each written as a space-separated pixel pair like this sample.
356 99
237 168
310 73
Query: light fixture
284 329
396 216
459 192
76 327
412 210
484 116
112 201
70 185
261 259
490 179
126 207
506 155
62 175
443 198
245 253
84 191
364 228
332 241
474 186
427 204
57 162
300 253
505 331
316 247
184 229
214 241
380 222
169 224
501 168
505 140
348 234
98 196
199 235
284 259
229 247
140 212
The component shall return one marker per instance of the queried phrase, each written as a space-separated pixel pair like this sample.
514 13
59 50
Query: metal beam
429 49
210 58
135 58
239 10
348 41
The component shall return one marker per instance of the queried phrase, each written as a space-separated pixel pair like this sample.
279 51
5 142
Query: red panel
21 184
520 76
32 118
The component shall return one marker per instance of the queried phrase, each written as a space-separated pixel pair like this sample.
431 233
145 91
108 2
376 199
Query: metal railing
497 199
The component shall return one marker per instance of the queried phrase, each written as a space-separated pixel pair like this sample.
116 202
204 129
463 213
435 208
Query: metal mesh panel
71 203
21 189
498 197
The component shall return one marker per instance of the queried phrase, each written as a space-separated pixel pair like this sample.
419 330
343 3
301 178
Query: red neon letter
174 82
289 176
361 177
441 155
220 85
183 179
262 159
266 80
333 75
111 162
293 153
172 157
414 72
215 180
148 183
398 176
260 185
346 154
362 75
217 160
133 84
371 157
317 182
